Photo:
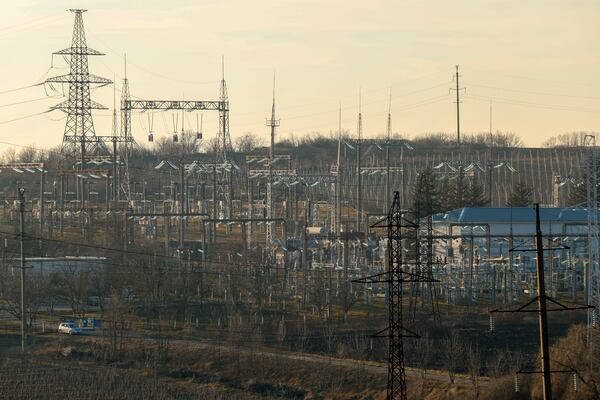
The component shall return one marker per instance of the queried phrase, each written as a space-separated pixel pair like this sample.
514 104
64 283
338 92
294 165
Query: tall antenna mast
387 155
115 128
358 166
491 132
338 181
272 123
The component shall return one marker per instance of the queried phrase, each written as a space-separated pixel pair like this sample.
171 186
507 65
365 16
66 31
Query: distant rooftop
512 214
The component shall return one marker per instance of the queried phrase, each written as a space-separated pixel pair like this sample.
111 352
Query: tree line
432 194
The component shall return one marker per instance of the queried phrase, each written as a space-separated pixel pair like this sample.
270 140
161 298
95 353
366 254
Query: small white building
58 265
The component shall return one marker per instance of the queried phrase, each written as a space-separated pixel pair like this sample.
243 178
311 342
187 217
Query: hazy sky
536 61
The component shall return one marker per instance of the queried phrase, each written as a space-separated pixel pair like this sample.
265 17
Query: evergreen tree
456 190
578 194
475 195
578 191
461 192
425 196
521 196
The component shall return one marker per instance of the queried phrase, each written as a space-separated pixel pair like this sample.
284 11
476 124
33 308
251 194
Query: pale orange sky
537 61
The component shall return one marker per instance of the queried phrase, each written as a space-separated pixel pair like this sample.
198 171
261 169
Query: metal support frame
79 134
592 272
29 167
395 276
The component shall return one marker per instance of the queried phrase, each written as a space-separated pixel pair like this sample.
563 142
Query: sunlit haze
535 62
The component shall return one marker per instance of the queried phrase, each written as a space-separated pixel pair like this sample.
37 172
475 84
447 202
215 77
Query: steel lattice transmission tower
223 146
125 129
224 139
592 289
398 231
79 135
396 373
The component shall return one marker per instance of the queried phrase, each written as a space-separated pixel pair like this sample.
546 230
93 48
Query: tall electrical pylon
396 373
273 123
224 139
223 147
592 278
79 135
125 129
399 230
125 111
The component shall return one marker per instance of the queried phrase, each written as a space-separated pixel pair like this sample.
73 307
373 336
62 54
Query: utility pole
272 123
541 302
214 202
42 216
592 269
490 165
457 90
338 183
181 205
387 157
22 240
358 168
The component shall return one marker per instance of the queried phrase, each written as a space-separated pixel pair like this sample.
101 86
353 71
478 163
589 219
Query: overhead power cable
24 117
21 88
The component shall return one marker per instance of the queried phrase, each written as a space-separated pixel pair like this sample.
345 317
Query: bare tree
30 154
117 325
75 284
571 139
346 297
474 366
247 142
187 144
453 353
423 356
9 155
37 288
